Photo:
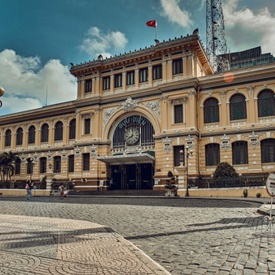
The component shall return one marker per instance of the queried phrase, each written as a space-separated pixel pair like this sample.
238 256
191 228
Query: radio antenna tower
215 35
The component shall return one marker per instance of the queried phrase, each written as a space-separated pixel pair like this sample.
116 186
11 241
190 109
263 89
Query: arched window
19 136
71 163
72 129
57 164
268 150
211 110
141 125
8 138
17 166
43 165
212 154
58 134
266 103
237 107
31 137
45 133
239 152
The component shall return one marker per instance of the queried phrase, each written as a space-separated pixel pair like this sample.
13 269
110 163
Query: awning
127 159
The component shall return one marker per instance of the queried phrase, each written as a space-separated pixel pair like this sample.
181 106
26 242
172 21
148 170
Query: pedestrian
28 188
65 192
61 191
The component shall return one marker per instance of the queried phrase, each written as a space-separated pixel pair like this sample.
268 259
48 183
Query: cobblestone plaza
185 236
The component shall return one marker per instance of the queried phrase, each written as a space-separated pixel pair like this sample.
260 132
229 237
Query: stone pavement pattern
185 236
30 245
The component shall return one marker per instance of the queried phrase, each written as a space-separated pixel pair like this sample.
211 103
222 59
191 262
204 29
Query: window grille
58 135
45 133
237 107
88 85
266 103
211 110
106 83
86 161
143 75
239 152
57 164
8 138
43 165
130 78
72 129
19 136
268 150
31 136
71 163
178 113
212 154
157 72
118 80
177 66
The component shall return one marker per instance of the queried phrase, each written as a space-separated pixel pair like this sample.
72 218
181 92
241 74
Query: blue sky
39 39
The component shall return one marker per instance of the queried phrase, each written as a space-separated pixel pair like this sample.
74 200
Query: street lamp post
189 154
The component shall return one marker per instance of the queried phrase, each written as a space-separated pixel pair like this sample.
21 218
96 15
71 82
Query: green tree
7 165
225 170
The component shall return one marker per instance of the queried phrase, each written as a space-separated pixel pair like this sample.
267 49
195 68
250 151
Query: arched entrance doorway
131 165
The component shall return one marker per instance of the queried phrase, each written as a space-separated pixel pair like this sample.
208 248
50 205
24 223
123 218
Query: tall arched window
31 136
43 165
72 129
8 138
266 103
58 134
211 110
57 164
17 166
19 136
212 154
268 150
45 133
237 107
239 152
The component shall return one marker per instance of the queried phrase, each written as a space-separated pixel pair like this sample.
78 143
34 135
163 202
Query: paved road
185 236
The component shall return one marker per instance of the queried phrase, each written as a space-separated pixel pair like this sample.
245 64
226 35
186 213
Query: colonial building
144 113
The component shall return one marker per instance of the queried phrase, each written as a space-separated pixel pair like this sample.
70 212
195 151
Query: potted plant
170 186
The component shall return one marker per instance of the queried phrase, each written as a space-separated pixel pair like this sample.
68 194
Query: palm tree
7 163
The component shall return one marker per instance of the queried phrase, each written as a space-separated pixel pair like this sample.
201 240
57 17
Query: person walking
28 188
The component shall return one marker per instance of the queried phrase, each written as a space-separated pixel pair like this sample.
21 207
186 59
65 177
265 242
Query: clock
131 136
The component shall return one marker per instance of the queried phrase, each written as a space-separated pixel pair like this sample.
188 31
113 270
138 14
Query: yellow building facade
140 114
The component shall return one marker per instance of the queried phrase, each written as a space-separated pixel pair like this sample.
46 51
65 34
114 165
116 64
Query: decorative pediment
129 104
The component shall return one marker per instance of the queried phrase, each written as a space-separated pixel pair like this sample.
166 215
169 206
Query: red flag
151 23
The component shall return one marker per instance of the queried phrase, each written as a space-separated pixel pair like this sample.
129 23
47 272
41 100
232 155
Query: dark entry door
131 176
146 176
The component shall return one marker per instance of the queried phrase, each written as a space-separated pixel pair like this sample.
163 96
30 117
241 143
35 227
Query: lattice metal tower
215 35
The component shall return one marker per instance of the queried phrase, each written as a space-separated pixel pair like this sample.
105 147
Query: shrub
225 170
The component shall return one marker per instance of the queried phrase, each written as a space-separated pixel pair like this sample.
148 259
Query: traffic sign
270 184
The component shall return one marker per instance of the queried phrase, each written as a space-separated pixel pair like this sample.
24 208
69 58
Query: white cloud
174 13
96 42
246 28
26 83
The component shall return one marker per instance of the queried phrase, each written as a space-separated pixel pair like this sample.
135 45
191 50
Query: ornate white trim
167 145
253 139
129 104
154 106
225 142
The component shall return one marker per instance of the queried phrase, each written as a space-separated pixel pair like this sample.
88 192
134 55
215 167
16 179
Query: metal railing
241 182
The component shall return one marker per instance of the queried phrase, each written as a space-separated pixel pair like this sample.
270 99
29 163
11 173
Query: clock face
131 136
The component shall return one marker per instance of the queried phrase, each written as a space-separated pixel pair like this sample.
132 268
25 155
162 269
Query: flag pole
156 33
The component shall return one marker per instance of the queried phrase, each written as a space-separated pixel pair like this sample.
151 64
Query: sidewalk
34 245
